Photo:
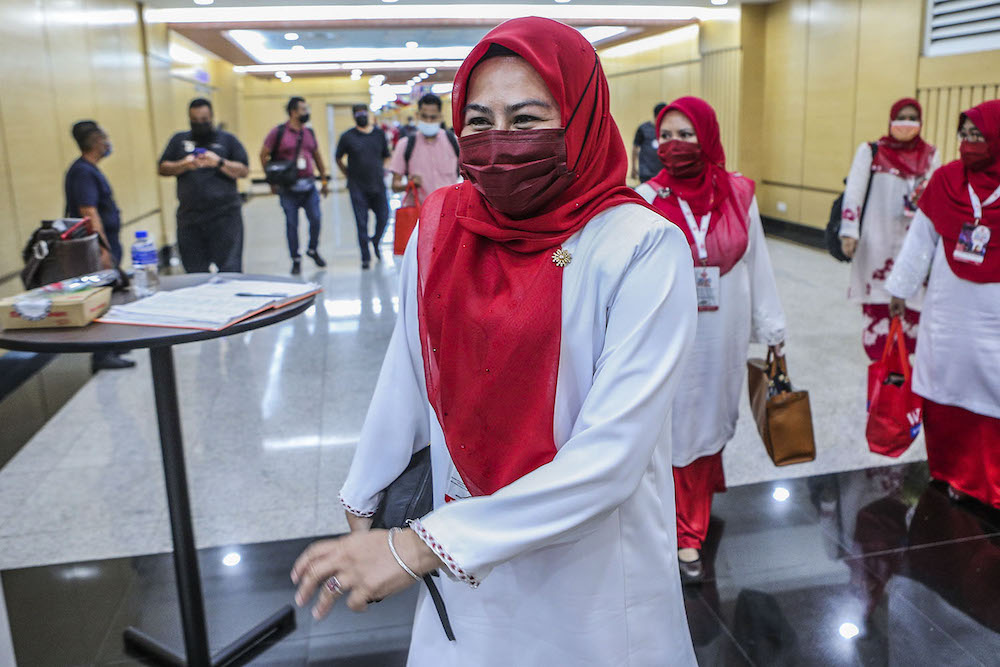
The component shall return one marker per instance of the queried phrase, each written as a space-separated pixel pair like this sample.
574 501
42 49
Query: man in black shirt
366 149
207 162
645 161
89 195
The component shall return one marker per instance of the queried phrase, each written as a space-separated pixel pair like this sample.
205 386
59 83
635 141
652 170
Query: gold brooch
561 258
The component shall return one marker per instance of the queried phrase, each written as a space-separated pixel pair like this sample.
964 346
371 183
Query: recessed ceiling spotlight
562 2
411 45
286 79
431 70
203 2
720 2
298 47
291 36
389 1
423 75
280 74
357 72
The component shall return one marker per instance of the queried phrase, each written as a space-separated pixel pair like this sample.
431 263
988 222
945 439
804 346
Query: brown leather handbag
783 416
49 258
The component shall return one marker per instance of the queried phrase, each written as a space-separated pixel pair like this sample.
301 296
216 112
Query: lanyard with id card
974 237
706 278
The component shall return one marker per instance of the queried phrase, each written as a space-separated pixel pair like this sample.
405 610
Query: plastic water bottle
145 265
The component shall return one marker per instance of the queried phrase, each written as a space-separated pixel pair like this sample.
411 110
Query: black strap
868 189
298 145
439 605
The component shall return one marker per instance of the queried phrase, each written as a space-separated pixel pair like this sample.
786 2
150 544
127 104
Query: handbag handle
412 187
897 341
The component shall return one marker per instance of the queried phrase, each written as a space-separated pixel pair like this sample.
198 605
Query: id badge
972 242
455 489
706 281
300 164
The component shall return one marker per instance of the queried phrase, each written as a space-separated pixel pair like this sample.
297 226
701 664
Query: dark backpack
411 144
832 235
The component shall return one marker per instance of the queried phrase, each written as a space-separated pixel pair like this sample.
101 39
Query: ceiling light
182 54
675 36
231 559
389 1
280 74
431 70
562 2
333 67
598 32
441 88
485 12
203 2
411 45
298 47
358 72
781 494
717 2
256 45
847 630
423 75
291 36
286 79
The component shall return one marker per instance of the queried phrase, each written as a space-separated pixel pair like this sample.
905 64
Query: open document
214 305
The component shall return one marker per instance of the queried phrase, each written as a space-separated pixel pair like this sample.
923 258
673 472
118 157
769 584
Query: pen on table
260 295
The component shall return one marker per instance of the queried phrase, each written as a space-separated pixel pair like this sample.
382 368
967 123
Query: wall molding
798 186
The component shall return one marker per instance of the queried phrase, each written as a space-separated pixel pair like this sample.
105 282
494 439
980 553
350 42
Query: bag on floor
783 416
894 411
406 220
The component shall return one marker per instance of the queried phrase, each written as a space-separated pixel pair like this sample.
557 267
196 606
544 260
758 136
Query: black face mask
304 118
201 131
361 119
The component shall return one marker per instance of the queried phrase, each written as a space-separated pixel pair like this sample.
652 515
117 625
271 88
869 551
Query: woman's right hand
848 246
358 524
897 307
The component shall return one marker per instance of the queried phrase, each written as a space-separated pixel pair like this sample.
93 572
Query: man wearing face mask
294 141
89 195
429 160
207 162
366 150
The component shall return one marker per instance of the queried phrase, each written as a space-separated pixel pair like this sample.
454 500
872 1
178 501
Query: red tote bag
894 411
406 220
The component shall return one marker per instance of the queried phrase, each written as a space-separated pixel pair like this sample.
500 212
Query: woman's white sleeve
767 317
647 192
911 267
650 330
398 422
854 193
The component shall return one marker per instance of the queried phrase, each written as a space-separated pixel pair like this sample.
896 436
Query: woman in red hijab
898 167
545 311
956 236
737 304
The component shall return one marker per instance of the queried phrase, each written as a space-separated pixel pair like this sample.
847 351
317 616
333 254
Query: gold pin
562 258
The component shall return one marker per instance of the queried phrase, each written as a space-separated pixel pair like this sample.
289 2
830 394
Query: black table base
197 652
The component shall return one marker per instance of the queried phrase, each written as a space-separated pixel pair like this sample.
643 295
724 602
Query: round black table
119 337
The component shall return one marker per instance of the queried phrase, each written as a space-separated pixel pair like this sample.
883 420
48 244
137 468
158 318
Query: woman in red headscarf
956 236
737 304
545 311
898 166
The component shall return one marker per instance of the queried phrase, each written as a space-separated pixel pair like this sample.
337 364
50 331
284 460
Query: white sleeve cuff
455 571
357 509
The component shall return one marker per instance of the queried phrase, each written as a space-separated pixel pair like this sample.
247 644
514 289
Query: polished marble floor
270 420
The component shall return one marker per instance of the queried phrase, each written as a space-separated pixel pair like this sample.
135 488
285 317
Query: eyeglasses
972 136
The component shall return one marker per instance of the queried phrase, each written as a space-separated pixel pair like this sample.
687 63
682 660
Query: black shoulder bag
283 172
832 236
411 496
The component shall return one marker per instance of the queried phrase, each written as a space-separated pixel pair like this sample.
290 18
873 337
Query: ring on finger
333 585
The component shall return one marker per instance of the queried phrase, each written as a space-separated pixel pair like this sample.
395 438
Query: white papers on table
213 305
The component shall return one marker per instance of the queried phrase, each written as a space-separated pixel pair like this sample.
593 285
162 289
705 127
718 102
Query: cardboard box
77 309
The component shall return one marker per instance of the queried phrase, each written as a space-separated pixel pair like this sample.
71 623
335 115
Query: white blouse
574 563
708 406
958 351
884 226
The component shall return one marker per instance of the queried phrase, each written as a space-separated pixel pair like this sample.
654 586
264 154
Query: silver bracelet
392 548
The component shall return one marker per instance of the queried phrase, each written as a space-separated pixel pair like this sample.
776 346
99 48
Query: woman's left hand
363 566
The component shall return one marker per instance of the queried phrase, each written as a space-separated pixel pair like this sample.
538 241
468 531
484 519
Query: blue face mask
428 129
107 151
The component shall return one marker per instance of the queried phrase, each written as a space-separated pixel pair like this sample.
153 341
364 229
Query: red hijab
946 199
727 196
903 158
490 296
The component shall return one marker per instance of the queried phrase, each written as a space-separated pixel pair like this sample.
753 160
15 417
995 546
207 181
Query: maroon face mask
975 155
681 159
519 172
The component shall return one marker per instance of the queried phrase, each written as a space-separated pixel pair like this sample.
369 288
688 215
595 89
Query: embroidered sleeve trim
453 567
355 511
